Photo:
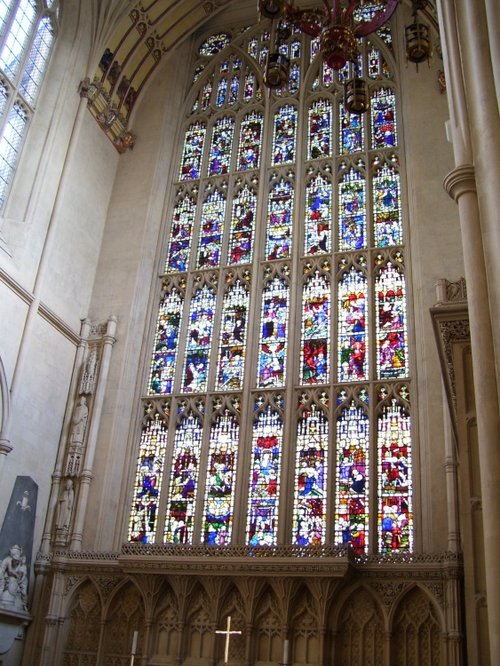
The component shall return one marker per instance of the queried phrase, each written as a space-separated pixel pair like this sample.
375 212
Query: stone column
93 430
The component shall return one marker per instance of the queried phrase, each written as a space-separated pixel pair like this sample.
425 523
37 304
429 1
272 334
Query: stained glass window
315 343
279 220
214 44
285 364
311 467
24 56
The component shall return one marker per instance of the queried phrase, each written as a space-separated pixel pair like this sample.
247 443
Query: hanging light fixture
356 95
418 36
277 70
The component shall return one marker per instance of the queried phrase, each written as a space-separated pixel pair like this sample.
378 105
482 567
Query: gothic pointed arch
84 622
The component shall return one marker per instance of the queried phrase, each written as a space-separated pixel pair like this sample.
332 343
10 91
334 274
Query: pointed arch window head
27 35
281 341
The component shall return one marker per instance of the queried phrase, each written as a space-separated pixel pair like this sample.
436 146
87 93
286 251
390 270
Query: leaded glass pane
311 469
315 340
221 481
392 343
351 131
232 344
181 234
179 522
387 207
10 145
273 334
285 134
206 94
148 481
5 6
221 92
250 87
352 211
383 118
242 227
267 442
352 496
212 229
214 44
161 374
4 96
318 232
193 152
199 338
352 327
395 520
37 61
294 79
279 221
320 129
234 90
18 38
220 150
250 142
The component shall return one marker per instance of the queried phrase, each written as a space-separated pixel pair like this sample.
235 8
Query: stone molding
460 180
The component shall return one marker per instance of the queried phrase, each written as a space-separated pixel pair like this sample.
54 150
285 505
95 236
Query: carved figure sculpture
79 422
14 579
65 508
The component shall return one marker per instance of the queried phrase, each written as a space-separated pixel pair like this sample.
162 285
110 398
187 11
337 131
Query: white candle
286 646
134 642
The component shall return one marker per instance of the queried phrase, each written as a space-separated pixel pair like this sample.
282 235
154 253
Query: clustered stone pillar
476 141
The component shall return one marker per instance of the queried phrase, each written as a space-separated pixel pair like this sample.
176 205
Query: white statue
79 423
89 373
65 508
14 580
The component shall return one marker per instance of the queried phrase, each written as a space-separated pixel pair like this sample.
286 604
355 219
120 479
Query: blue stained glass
328 75
267 442
294 79
214 44
309 515
224 66
383 117
351 131
180 236
221 147
206 94
193 152
295 50
273 334
318 232
387 207
253 48
279 222
320 129
392 339
148 481
199 339
179 521
250 87
314 47
161 377
221 481
315 341
352 213
250 142
221 92
242 227
352 327
352 497
285 132
232 347
212 229
234 90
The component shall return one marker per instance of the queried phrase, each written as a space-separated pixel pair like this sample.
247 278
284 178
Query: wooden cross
228 633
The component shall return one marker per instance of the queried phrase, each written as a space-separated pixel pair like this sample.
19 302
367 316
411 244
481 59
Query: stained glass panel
18 37
320 129
212 229
284 136
387 207
249 87
318 232
294 79
351 131
273 334
221 92
199 338
267 442
193 152
234 90
181 234
221 147
161 376
148 481
232 344
37 61
383 117
179 522
242 227
279 221
352 496
221 481
352 327
315 340
206 94
250 142
311 467
352 211
392 343
214 44
10 146
395 520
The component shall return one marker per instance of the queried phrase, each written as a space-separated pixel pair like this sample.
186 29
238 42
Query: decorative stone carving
14 580
89 373
76 437
64 511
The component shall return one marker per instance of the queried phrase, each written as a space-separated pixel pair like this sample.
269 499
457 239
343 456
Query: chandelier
338 24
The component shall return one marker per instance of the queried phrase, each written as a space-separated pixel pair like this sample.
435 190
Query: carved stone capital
5 446
460 181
